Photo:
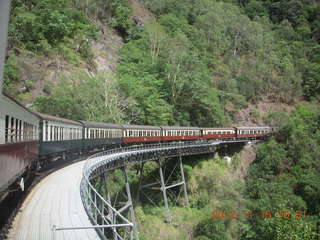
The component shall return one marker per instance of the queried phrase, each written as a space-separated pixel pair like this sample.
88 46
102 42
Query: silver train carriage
19 140
58 136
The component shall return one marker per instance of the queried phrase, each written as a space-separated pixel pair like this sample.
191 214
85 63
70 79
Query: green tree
84 97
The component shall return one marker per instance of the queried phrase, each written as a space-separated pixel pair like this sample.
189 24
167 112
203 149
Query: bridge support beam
164 187
134 233
110 212
164 192
183 182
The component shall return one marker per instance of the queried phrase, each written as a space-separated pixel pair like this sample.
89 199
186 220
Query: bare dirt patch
140 14
254 113
247 156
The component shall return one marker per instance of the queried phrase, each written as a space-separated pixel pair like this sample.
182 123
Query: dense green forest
285 176
196 63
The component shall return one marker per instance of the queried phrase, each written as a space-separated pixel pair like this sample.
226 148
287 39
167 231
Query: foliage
11 72
84 97
280 228
214 50
210 229
297 22
168 80
284 177
274 57
121 16
42 25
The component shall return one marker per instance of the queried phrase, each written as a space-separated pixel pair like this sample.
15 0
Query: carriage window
51 131
7 128
46 131
32 132
24 130
11 133
28 131
19 130
55 133
96 134
16 130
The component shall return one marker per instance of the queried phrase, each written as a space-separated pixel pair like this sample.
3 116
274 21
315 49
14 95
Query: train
31 140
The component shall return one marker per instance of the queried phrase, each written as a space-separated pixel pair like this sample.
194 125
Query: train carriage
96 135
218 133
58 136
18 140
252 132
180 133
140 133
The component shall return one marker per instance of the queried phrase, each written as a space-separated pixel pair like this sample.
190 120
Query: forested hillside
194 63
188 63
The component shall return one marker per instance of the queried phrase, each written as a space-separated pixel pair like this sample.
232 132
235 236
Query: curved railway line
107 220
66 205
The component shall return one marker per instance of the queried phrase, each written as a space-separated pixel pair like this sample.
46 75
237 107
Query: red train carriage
180 133
218 133
141 134
252 132
18 141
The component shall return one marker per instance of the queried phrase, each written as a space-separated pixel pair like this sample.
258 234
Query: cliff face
30 73
36 74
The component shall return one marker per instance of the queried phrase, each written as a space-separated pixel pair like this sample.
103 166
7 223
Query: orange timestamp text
262 214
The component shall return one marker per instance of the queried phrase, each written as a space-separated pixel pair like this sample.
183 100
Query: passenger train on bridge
31 140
